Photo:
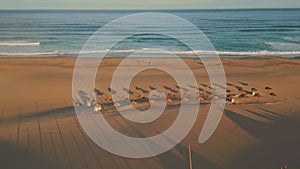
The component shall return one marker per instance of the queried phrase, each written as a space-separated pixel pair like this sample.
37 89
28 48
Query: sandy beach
39 127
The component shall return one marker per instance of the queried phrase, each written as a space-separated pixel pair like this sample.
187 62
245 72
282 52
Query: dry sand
39 129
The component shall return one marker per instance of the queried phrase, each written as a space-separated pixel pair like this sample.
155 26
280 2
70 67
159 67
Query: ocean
234 33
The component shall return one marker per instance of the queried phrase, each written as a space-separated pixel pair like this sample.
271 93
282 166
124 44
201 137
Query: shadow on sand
279 141
14 157
178 158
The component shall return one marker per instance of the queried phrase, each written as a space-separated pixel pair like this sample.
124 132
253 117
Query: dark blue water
236 33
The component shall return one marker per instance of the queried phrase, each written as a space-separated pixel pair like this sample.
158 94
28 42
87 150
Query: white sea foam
19 43
283 46
156 53
28 54
292 38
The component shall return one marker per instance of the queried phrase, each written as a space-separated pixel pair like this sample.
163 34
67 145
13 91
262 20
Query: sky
147 4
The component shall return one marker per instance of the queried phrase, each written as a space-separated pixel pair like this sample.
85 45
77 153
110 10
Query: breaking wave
155 53
19 43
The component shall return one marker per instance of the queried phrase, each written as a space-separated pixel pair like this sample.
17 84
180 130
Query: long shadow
182 88
238 87
171 160
98 92
243 83
200 89
194 87
127 90
152 88
141 89
247 92
220 86
205 85
76 101
268 117
112 91
83 96
253 127
229 84
274 113
14 157
170 89
278 143
208 92
177 157
233 85
65 111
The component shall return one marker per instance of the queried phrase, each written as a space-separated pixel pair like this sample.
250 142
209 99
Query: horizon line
179 9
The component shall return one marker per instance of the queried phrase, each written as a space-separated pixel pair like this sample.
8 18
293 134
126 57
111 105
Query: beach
39 127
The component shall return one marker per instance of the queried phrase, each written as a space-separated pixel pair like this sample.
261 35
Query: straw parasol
258 95
125 97
231 98
187 93
273 94
185 99
246 96
201 99
151 101
117 104
253 90
171 94
142 96
97 107
216 97
268 88
108 99
229 91
169 100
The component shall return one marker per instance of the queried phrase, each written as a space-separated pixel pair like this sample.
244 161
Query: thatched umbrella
97 107
142 96
268 88
169 100
273 94
201 99
125 97
89 102
258 95
171 94
151 101
246 96
231 98
155 95
229 91
215 97
253 90
117 104
186 93
185 99
201 93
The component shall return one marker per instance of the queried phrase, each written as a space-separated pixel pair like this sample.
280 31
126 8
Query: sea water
234 33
